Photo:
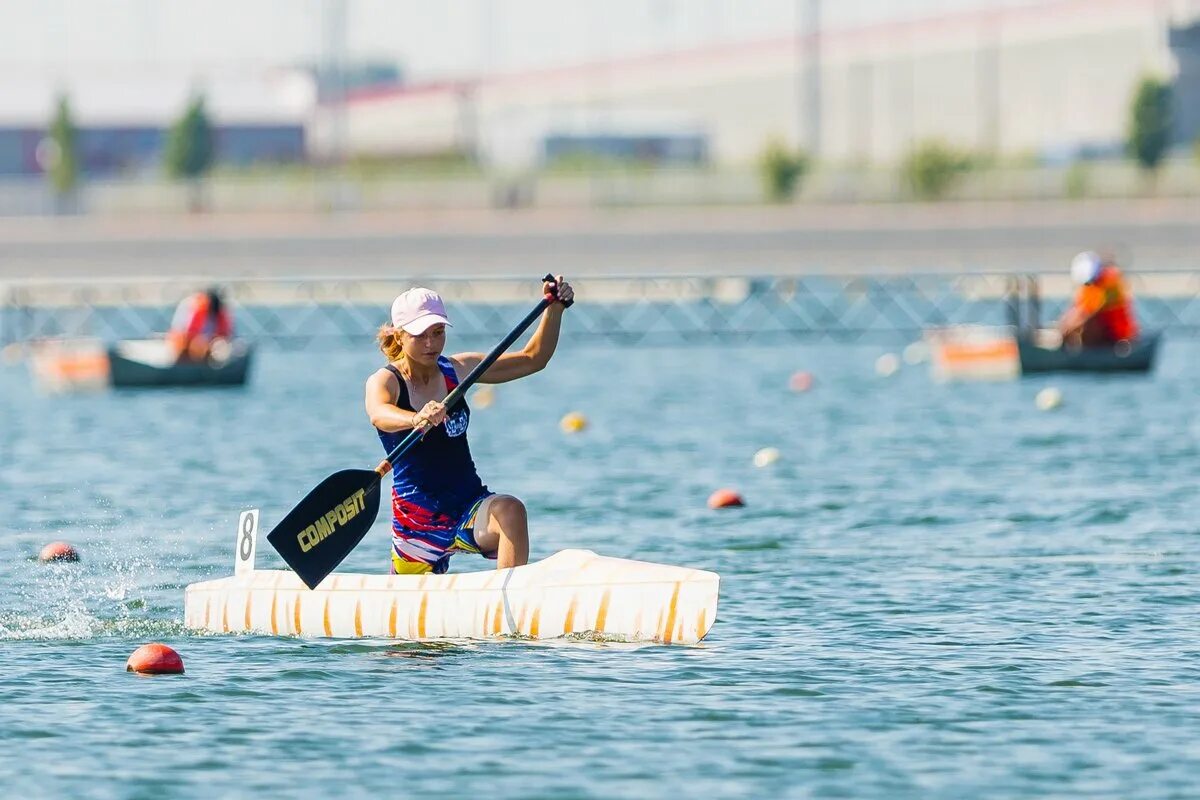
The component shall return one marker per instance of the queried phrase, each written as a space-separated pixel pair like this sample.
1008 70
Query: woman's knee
507 509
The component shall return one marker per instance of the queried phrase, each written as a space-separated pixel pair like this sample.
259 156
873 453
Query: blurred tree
932 169
190 150
1196 149
57 156
782 171
1150 123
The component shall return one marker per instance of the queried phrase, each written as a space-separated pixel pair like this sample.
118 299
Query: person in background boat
202 326
1102 312
439 504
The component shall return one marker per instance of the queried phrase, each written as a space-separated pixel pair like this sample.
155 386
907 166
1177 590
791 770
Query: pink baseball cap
417 310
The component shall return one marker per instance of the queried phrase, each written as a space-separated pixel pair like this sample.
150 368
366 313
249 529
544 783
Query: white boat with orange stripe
573 592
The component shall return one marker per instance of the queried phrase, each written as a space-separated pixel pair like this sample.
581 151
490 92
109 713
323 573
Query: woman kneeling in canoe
439 504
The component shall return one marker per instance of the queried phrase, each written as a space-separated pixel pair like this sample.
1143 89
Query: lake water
938 591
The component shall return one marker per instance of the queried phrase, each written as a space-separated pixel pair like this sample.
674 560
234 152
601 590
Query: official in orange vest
201 321
1102 312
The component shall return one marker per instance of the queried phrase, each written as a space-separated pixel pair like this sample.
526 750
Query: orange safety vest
201 322
1107 299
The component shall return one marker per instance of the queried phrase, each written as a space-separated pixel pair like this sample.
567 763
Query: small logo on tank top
456 422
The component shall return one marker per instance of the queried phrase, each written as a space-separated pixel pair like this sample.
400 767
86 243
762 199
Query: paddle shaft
457 393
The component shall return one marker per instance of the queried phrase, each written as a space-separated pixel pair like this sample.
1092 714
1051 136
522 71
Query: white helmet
1085 267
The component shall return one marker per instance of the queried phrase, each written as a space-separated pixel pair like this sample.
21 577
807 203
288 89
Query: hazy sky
65 39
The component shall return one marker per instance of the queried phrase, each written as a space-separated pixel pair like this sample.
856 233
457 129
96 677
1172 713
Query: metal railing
300 313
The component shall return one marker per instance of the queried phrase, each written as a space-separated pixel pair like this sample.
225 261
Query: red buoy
155 659
800 381
58 551
725 498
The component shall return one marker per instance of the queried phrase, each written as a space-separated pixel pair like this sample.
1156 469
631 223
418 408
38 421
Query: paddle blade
322 530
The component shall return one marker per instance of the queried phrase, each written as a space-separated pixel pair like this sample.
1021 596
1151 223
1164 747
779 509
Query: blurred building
123 121
1185 45
116 150
1053 80
332 82
626 145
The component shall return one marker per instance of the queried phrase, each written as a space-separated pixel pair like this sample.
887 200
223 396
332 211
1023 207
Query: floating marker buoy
155 659
800 381
1048 399
766 457
573 422
886 365
916 353
483 397
725 498
58 551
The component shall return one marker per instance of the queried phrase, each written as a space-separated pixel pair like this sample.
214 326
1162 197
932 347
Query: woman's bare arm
530 359
382 388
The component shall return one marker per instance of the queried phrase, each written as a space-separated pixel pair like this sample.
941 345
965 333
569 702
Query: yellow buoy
573 422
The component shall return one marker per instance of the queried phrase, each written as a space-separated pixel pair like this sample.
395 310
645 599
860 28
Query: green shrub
63 166
1077 180
932 169
1150 123
783 171
190 146
190 150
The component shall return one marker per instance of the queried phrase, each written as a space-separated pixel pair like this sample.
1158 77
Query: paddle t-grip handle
554 295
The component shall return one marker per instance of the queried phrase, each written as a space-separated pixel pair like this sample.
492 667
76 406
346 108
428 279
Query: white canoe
571 592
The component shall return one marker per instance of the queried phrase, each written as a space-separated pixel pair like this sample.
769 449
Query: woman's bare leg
505 531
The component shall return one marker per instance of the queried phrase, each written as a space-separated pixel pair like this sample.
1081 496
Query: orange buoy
800 381
725 498
155 659
58 551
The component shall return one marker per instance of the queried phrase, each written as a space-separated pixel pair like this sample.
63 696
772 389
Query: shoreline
735 240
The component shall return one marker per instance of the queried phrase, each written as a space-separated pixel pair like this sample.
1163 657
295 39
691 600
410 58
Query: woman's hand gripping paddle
332 519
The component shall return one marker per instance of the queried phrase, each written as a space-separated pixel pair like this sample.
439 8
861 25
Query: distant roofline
862 35
370 93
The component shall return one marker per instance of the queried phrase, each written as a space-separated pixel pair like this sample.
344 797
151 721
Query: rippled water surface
938 591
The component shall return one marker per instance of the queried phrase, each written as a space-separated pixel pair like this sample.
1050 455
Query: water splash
112 592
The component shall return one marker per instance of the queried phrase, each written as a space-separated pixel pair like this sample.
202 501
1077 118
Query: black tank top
437 473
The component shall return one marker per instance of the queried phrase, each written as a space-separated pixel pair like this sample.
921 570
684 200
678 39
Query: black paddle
333 518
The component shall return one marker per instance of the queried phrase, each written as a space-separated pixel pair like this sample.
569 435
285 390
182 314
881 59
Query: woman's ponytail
389 342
